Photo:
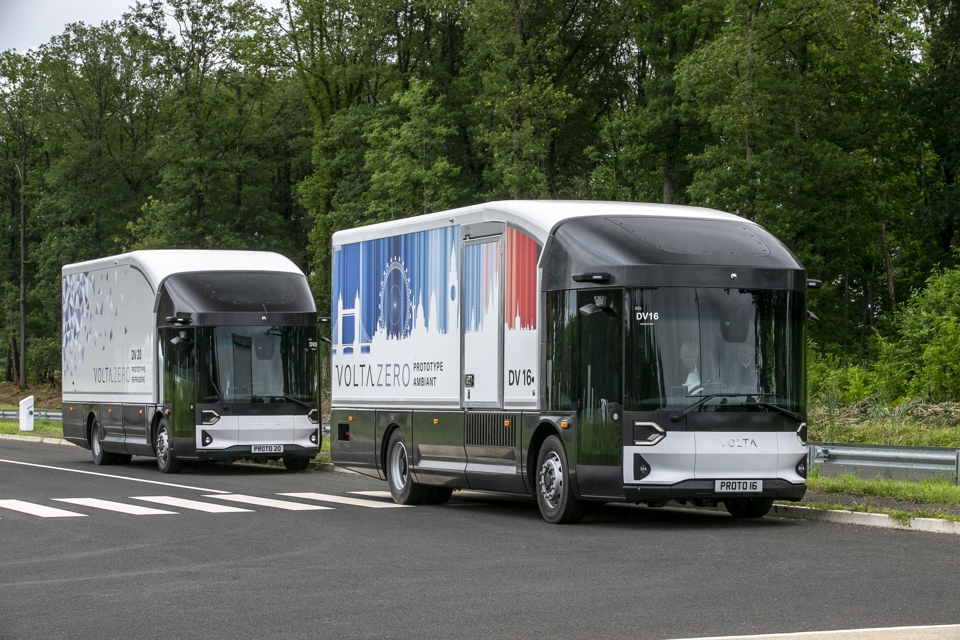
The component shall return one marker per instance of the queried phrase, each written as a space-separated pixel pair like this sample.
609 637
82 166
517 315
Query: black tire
402 487
296 463
100 457
555 496
748 507
439 495
166 458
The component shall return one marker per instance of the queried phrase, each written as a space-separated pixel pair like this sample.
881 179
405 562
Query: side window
561 314
600 372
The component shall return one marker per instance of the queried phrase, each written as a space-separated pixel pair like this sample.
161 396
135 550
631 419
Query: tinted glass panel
561 350
599 440
258 364
686 343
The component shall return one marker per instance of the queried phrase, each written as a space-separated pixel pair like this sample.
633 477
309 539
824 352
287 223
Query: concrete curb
878 520
4 436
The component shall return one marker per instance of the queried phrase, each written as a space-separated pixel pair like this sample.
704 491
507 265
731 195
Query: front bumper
705 490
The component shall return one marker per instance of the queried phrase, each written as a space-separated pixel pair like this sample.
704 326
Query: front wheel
402 487
555 496
100 457
166 459
748 507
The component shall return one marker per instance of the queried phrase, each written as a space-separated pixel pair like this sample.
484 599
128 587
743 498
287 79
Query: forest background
211 124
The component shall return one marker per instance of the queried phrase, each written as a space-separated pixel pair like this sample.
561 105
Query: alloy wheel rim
398 466
551 480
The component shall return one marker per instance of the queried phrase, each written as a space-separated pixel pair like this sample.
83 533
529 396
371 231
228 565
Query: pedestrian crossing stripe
268 502
195 505
39 510
43 511
357 502
119 507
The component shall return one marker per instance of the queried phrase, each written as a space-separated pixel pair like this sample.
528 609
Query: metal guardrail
38 414
885 455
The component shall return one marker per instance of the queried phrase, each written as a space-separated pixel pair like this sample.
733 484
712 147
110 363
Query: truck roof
158 265
536 217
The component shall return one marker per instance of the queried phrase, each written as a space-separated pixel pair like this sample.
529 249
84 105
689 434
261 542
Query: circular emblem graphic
396 303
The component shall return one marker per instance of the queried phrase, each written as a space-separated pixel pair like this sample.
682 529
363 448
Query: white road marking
357 502
107 475
268 502
119 507
373 494
934 632
196 505
39 510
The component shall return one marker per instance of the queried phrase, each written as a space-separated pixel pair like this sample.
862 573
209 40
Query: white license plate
266 448
739 486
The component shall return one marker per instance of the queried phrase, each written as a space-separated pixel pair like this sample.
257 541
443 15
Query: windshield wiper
292 399
696 405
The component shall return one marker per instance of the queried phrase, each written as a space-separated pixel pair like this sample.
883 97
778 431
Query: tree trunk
888 265
22 371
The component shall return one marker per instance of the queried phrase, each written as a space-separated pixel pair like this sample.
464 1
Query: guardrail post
958 467
811 456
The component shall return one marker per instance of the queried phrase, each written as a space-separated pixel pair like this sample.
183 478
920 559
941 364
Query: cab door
179 379
482 309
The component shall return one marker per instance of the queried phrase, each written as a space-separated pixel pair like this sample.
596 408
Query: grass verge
911 423
934 490
41 428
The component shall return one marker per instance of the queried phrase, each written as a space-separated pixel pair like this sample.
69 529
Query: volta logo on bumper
738 443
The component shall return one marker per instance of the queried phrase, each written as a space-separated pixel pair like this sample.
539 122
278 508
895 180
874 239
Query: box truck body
575 351
210 355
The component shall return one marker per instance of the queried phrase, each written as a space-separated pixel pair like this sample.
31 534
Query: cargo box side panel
108 336
520 359
396 310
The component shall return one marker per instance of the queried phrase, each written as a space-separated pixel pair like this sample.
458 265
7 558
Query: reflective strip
268 502
357 502
491 468
119 507
196 505
442 464
38 510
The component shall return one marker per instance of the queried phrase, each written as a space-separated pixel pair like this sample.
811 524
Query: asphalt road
480 566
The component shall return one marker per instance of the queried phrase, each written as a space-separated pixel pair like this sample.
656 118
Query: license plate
266 448
739 486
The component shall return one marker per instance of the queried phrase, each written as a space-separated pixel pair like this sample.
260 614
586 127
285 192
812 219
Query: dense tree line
217 124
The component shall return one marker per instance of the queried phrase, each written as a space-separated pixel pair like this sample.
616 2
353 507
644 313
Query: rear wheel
100 457
748 507
166 459
296 463
557 503
402 487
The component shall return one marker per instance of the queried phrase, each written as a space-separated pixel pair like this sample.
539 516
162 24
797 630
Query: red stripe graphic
522 253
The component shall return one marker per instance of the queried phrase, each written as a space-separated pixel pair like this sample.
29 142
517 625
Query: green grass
910 423
934 490
41 428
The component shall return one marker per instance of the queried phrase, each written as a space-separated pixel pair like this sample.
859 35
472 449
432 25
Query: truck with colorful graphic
190 356
575 351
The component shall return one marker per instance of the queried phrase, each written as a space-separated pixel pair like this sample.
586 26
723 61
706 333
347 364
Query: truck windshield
745 346
257 364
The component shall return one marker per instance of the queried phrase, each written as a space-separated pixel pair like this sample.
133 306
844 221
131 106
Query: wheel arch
154 423
384 441
88 428
543 431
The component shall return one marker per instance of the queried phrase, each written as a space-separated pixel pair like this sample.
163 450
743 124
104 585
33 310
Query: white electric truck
575 351
190 355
